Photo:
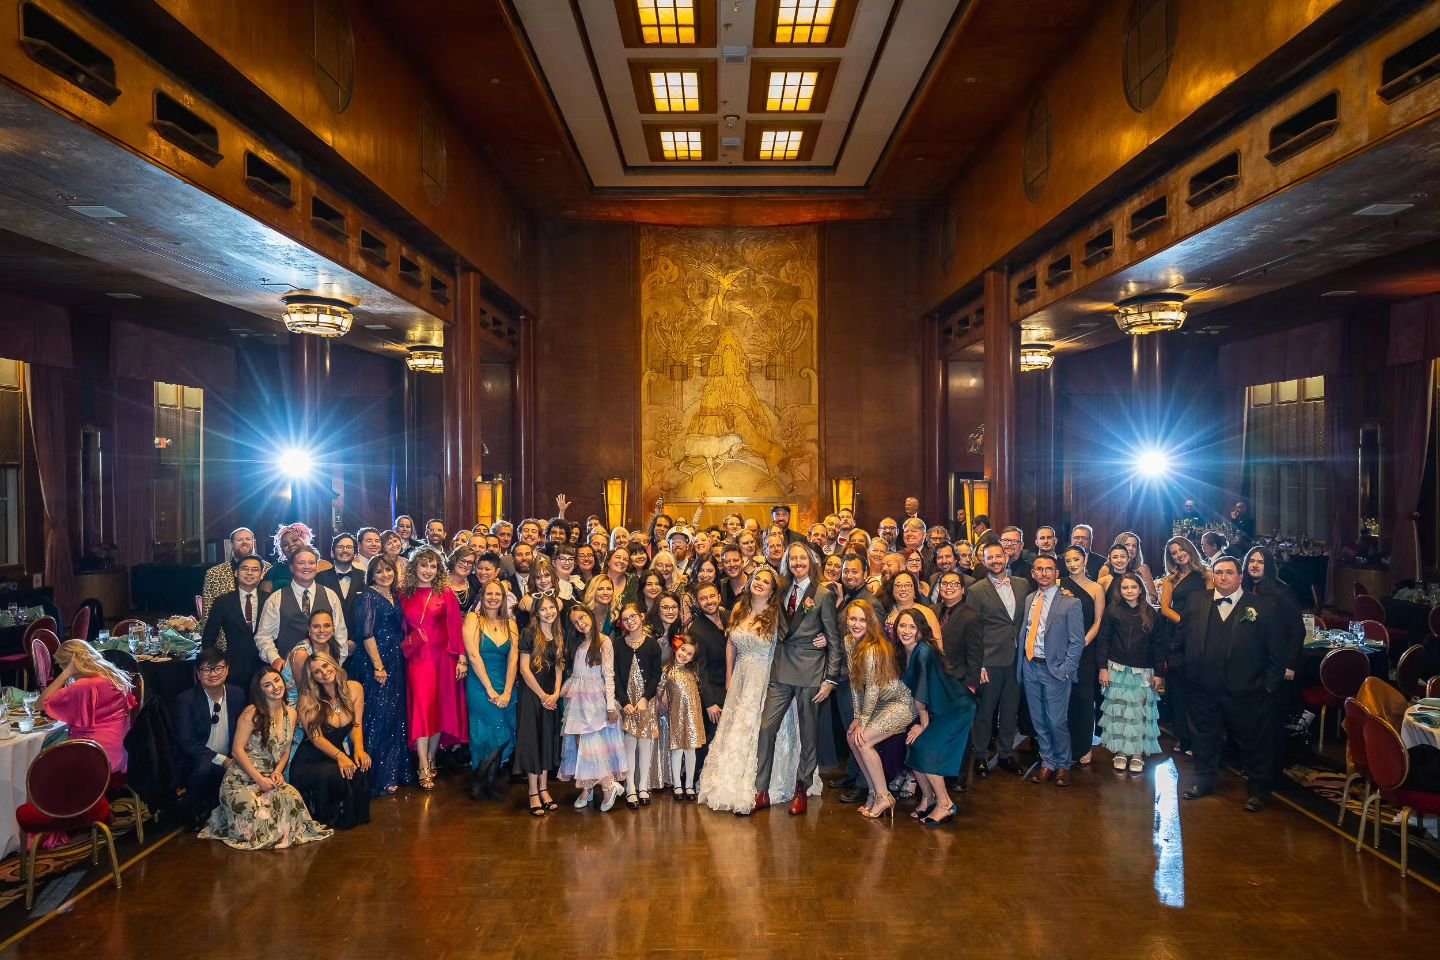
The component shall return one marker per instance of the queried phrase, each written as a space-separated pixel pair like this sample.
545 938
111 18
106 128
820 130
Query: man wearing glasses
1013 540
204 719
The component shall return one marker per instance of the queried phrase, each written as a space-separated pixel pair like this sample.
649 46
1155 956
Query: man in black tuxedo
707 632
806 670
233 618
1234 658
204 719
343 576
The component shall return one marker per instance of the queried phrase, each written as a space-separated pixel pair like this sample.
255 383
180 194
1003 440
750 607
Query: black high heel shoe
949 815
921 811
535 811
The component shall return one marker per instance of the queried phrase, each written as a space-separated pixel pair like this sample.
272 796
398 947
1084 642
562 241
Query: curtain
1413 385
1414 331
1309 351
1341 436
134 432
34 332
144 353
45 399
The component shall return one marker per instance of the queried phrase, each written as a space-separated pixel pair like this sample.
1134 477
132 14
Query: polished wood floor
1108 867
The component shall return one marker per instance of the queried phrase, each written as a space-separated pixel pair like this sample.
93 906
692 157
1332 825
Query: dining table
17 752
1314 651
1421 726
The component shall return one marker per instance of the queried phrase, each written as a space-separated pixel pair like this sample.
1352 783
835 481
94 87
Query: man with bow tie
999 598
343 576
1234 656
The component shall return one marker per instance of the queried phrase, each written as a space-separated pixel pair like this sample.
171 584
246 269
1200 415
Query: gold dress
888 708
640 724
687 731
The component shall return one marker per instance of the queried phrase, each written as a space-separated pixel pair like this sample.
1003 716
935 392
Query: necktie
250 610
305 602
1034 631
790 607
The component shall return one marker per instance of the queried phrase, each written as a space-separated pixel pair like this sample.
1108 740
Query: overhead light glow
426 359
1151 313
681 145
295 463
803 21
1036 356
791 90
675 91
781 144
1153 464
666 21
317 315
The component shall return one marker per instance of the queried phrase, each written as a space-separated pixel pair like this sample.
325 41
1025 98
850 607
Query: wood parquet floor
1108 867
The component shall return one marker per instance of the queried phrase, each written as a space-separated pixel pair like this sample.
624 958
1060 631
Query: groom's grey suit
797 673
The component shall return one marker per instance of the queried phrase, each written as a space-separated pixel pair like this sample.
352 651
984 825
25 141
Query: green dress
248 819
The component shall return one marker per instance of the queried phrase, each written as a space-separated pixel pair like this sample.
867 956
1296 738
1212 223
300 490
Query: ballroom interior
1052 262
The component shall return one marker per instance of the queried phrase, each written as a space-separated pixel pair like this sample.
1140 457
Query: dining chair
123 659
1384 702
1342 672
1389 768
1368 608
120 788
123 627
41 663
1356 765
65 793
1432 687
1432 621
1360 590
80 624
1410 672
1376 632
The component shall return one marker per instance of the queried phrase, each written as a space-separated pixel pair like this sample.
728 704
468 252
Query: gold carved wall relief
729 388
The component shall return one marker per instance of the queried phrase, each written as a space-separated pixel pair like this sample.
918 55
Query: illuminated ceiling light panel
791 90
676 91
666 21
780 144
803 21
681 145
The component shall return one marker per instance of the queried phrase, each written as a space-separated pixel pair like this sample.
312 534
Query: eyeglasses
214 669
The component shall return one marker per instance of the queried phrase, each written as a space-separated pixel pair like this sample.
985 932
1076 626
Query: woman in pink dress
93 697
434 660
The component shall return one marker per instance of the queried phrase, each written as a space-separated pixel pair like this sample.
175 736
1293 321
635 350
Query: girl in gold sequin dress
681 697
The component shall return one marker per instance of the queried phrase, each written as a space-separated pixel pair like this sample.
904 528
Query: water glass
103 637
1358 630
32 697
14 611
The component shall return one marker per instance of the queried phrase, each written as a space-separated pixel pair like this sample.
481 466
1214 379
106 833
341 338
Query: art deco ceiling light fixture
1151 313
1036 356
316 315
424 358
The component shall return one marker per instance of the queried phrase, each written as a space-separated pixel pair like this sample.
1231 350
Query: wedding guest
344 577
537 726
936 679
1129 649
1082 535
258 810
680 686
883 705
707 633
1081 711
904 595
1050 644
569 586
999 599
491 640
220 579
1262 578
379 667
93 697
331 768
394 546
1212 545
233 620
404 528
285 618
600 598
705 571
462 564
1185 574
1136 550
587 563
592 751
651 586
204 717
368 546
435 661
637 676
288 539
736 582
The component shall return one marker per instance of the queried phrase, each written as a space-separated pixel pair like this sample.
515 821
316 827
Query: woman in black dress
537 725
1082 691
334 783
1184 575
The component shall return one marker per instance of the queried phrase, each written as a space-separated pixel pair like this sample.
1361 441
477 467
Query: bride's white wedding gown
728 780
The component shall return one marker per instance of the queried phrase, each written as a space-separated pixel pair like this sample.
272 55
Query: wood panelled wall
587 352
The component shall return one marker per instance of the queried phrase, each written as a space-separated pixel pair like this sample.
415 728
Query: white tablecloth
1417 734
16 755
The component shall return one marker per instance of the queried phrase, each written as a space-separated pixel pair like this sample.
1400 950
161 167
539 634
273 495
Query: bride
727 781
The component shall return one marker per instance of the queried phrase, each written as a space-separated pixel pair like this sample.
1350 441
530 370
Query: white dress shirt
269 629
1227 608
219 739
256 605
1005 592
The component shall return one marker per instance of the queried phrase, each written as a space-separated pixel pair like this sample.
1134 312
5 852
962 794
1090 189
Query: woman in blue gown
379 666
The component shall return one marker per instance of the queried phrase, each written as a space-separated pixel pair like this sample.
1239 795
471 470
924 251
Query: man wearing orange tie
1052 638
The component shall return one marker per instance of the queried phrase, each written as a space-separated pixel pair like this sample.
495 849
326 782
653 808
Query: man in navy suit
1052 638
204 719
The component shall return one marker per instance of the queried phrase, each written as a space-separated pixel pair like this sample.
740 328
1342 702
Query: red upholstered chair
1368 608
65 793
17 664
40 623
1410 672
120 788
80 624
123 627
1432 687
1356 765
1389 767
1376 632
41 663
49 639
1342 672
1360 590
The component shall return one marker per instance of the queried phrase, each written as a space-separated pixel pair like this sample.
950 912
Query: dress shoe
762 801
1043 775
982 769
1062 778
1008 763
840 783
801 803
1256 804
853 795
1195 793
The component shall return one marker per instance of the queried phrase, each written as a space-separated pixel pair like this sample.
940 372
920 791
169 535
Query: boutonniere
1249 616
809 604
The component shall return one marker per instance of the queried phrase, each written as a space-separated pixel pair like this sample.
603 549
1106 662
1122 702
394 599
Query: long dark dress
385 717
1087 678
332 800
537 730
940 749
1175 679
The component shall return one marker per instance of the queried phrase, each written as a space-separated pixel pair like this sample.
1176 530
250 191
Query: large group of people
706 663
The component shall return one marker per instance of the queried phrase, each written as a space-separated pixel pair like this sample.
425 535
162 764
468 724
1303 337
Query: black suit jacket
190 720
331 578
1093 565
710 644
649 657
240 652
1243 655
962 637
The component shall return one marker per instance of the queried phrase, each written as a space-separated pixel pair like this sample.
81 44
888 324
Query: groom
806 668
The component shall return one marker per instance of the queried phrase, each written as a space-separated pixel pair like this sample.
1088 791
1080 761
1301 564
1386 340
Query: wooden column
462 415
934 429
1002 357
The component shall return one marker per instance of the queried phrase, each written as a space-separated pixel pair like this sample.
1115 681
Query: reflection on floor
1025 871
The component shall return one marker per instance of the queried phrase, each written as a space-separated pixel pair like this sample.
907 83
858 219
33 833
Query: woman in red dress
434 660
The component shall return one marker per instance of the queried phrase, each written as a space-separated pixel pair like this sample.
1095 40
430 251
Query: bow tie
1224 600
1001 581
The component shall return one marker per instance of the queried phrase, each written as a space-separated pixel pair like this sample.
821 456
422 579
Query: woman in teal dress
947 710
491 649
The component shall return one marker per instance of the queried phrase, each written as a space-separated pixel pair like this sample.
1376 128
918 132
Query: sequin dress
385 719
884 708
682 691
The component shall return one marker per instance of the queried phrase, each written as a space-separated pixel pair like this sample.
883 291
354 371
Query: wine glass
32 697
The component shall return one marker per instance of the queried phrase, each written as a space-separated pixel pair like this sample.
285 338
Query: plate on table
41 723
